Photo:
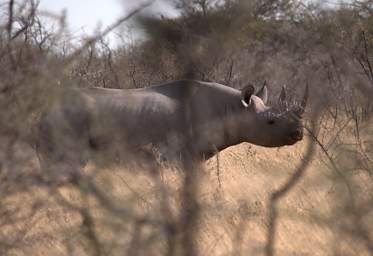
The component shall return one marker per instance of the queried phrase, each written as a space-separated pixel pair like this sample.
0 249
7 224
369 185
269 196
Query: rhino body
177 120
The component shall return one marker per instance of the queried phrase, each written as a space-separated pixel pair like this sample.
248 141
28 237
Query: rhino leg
60 170
62 153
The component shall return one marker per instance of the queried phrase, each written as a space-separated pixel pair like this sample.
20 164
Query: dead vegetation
312 199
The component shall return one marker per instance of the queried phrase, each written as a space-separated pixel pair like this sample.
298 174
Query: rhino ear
263 93
246 93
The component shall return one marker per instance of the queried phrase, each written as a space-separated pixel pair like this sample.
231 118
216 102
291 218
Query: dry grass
313 219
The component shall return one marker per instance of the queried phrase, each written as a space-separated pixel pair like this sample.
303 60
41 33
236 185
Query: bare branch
109 29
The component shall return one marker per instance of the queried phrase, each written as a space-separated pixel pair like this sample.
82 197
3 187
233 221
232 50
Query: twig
367 56
110 28
218 168
10 19
134 191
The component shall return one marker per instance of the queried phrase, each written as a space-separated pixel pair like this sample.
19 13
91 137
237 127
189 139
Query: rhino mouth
296 135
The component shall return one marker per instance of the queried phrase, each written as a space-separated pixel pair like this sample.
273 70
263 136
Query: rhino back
134 117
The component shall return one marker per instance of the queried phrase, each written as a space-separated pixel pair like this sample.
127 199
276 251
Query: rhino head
274 126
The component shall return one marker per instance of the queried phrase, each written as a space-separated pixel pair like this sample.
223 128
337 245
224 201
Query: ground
314 217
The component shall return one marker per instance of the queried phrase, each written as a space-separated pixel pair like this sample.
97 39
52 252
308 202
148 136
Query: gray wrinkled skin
177 121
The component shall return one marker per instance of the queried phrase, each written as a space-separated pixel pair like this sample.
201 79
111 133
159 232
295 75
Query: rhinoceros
179 120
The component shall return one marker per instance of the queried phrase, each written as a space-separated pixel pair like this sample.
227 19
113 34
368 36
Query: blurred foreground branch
276 196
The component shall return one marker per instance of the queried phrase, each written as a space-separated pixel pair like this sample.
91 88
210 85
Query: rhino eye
271 121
